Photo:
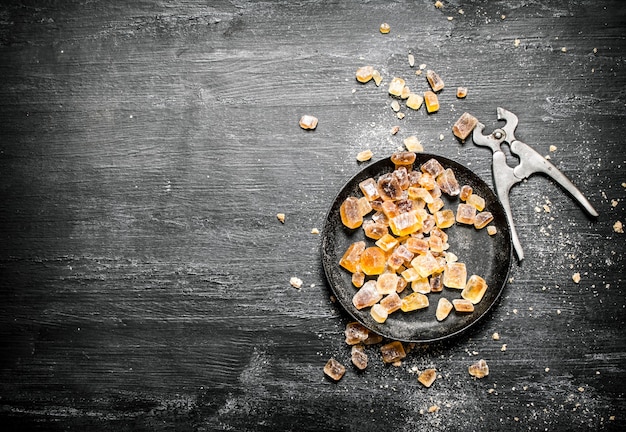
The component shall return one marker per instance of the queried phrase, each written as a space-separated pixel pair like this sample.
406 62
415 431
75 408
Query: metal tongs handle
531 162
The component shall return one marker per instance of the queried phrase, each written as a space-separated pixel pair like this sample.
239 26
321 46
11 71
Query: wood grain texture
146 147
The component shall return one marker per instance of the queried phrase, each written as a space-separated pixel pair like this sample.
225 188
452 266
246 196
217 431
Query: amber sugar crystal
466 214
389 187
396 86
448 183
431 101
479 369
477 201
352 257
403 159
366 296
356 332
308 122
373 261
414 301
482 220
426 264
334 369
462 305
474 289
405 224
464 125
369 189
427 377
392 352
455 275
391 302
432 167
444 307
375 230
444 218
379 313
387 242
420 284
466 192
435 81
364 74
358 356
387 283
350 212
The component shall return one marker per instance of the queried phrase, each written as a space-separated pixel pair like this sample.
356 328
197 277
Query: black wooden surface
146 147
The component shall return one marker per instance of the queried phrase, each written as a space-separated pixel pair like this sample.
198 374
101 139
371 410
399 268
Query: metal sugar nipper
530 162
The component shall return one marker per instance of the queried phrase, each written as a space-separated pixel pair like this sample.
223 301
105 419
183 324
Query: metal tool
531 162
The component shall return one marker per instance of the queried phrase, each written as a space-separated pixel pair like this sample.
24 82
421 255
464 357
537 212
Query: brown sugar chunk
393 352
464 126
334 369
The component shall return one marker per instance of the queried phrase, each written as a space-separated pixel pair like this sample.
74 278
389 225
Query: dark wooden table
146 148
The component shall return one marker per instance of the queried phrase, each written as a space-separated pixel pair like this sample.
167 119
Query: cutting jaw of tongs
530 162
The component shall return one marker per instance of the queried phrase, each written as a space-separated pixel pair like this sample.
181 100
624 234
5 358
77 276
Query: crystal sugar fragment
364 74
387 283
358 279
390 208
479 369
369 189
387 242
466 214
374 230
427 181
379 313
436 205
392 352
366 296
356 332
308 122
416 245
474 289
352 257
432 167
403 158
391 302
414 301
364 206
444 307
435 81
351 213
477 201
421 285
448 183
462 305
431 101
466 192
426 264
455 275
464 126
444 218
427 377
334 369
436 282
414 101
358 356
396 86
389 187
482 219
402 174
405 224
373 261
420 193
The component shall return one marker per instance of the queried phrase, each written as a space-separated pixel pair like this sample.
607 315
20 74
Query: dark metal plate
484 255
